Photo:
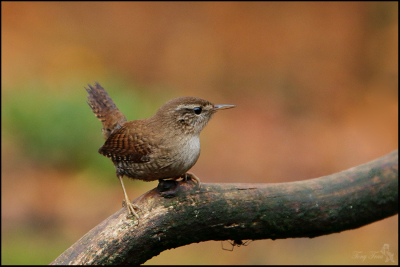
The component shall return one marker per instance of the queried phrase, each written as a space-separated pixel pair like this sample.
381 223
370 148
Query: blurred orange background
315 84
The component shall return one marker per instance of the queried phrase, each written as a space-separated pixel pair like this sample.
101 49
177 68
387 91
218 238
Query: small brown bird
164 146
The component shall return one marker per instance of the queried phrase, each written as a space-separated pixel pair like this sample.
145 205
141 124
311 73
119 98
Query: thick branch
176 213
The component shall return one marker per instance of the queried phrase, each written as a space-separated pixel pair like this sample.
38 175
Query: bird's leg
129 205
192 176
186 176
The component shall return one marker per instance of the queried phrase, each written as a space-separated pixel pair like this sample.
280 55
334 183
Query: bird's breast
191 151
185 154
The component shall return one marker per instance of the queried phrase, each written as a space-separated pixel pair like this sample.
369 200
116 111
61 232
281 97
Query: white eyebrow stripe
185 106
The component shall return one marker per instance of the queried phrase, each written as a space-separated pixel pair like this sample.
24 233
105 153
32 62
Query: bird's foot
131 208
185 178
192 176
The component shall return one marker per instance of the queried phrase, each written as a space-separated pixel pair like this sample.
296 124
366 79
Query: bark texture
177 213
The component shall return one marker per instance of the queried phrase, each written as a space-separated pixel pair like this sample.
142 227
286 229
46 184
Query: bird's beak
218 107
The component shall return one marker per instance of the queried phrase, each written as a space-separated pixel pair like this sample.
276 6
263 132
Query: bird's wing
127 143
105 109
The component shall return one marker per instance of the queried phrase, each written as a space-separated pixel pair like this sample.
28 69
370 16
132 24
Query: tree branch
177 213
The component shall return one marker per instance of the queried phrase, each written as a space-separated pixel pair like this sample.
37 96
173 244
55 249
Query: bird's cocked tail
105 109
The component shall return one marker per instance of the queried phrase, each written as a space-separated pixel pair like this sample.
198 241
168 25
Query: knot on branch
168 188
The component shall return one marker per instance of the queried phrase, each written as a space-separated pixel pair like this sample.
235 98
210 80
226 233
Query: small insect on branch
237 243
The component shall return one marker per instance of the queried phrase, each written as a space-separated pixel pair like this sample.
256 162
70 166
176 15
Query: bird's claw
193 177
131 208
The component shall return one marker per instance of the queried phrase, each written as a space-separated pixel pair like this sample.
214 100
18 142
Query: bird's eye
197 110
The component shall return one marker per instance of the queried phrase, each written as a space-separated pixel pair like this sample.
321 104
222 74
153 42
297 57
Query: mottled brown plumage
105 109
164 146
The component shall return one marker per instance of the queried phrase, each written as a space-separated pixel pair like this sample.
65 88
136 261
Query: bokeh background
315 84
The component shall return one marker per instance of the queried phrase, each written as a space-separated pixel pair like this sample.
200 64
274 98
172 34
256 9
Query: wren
164 146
